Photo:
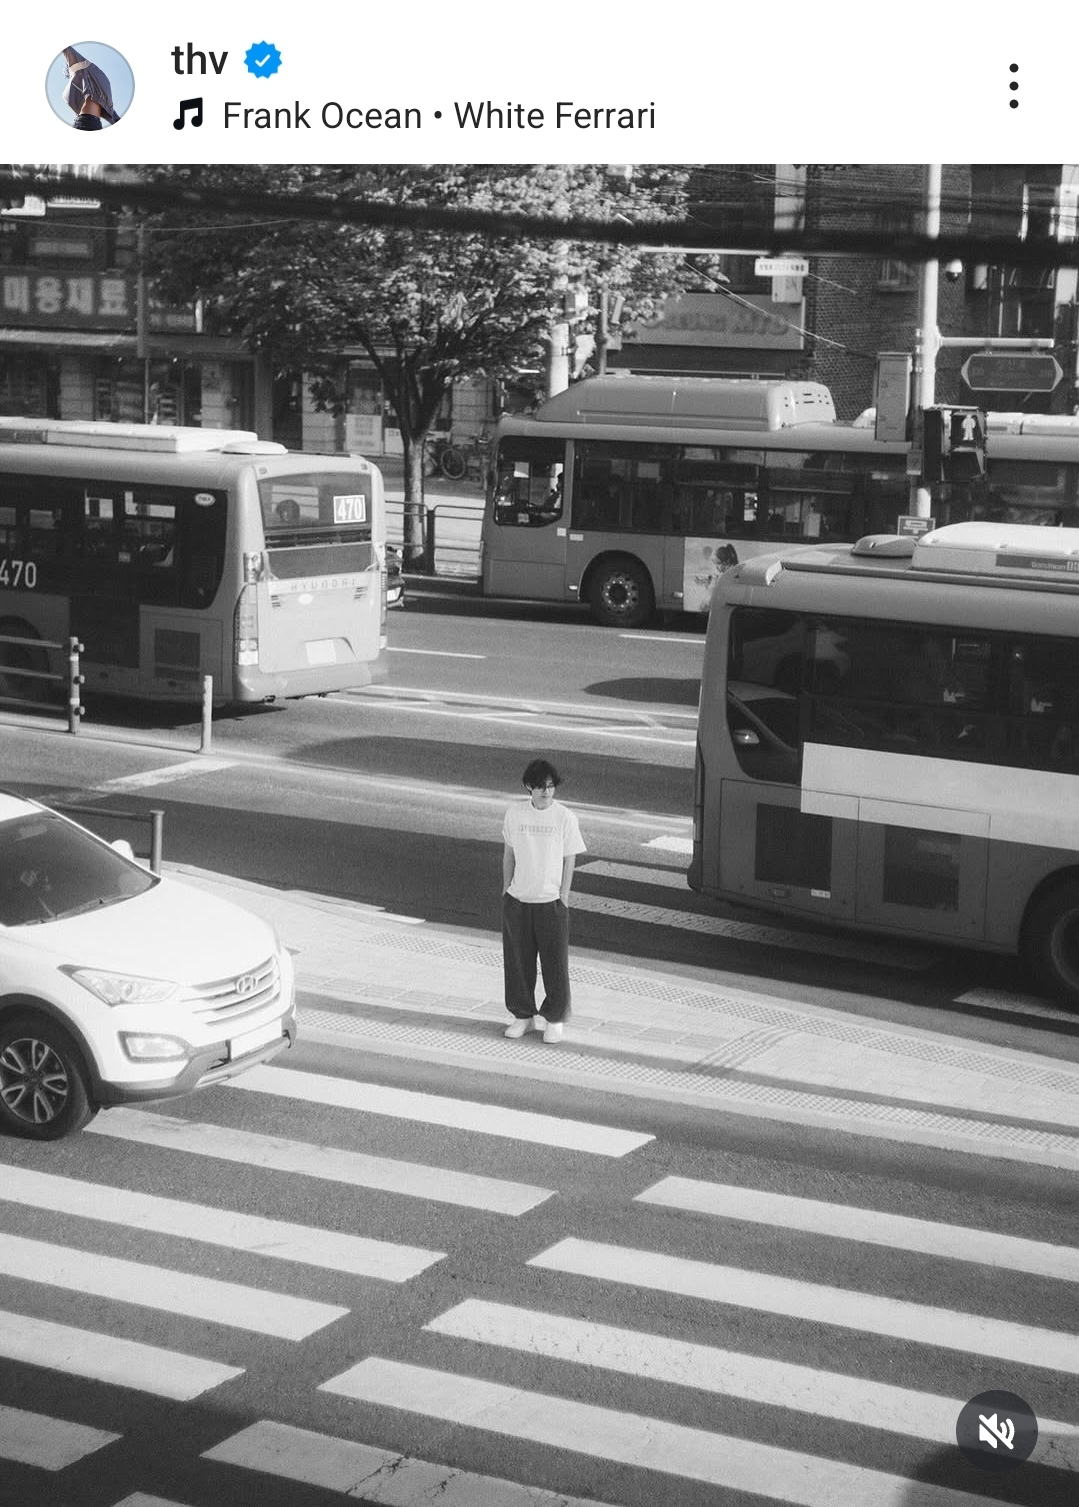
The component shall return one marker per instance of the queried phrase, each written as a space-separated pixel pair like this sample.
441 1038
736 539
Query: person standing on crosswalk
541 840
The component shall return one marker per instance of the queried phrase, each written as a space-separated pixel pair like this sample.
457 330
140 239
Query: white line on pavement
530 719
437 653
48 1443
215 1302
653 1444
670 844
663 638
379 1475
897 1231
412 1179
103 1357
804 1389
275 1238
433 1109
1055 1350
166 775
637 873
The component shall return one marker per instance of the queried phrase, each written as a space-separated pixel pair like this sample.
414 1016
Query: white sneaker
518 1028
552 1031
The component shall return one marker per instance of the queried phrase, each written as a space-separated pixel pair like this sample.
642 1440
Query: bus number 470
16 573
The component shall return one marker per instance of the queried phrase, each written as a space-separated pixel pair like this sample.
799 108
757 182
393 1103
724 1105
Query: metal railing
70 678
155 817
451 538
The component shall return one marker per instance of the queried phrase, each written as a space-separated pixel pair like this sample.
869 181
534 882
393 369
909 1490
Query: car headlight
122 988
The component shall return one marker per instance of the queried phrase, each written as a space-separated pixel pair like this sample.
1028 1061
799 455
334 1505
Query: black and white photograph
539 855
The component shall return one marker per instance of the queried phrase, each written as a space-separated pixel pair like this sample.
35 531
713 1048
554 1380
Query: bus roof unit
1030 551
690 403
162 439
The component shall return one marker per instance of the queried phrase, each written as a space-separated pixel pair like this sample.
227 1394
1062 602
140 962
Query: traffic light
953 444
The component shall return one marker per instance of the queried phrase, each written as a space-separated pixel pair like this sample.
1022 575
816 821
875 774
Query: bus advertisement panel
175 554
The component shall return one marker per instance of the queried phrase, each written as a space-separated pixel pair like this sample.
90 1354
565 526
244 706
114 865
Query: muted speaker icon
993 1433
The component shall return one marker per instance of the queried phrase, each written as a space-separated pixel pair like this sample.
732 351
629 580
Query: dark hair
540 773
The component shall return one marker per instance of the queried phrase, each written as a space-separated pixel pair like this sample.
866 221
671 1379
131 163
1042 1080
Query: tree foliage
425 307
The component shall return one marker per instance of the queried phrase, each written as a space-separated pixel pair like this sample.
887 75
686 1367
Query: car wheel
43 1085
1051 943
620 594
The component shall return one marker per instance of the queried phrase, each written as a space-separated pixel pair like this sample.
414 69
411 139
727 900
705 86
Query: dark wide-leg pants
531 932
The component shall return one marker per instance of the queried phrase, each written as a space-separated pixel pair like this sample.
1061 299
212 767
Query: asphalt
370 982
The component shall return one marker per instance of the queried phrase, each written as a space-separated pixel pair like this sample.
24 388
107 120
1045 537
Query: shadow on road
650 690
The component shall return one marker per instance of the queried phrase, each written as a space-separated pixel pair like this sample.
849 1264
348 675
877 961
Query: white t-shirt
540 840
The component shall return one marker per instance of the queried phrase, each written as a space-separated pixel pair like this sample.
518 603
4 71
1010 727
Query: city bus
888 738
633 493
173 554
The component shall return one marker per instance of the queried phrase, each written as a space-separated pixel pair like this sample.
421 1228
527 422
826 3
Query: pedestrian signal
953 444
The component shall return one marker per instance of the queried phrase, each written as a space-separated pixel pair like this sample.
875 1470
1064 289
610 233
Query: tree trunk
415 522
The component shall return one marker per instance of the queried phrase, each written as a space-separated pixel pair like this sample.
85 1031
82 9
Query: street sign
1006 371
913 527
781 266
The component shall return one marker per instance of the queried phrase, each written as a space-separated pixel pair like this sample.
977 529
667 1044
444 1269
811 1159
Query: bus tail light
245 627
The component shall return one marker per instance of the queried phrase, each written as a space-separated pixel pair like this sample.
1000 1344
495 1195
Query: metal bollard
207 712
429 541
74 681
157 819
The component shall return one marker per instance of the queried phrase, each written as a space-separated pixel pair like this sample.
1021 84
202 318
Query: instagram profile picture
89 86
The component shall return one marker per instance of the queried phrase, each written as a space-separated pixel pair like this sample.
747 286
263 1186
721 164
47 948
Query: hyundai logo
246 984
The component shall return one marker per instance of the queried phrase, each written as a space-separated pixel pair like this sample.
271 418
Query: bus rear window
316 507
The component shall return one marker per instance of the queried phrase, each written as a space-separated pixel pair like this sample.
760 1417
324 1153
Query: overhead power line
677 234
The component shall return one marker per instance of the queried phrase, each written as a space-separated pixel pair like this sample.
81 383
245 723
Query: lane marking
433 1109
662 638
870 1226
529 720
781 1384
646 1443
515 703
331 1164
48 1443
275 1238
671 844
437 653
141 1499
166 775
887 954
1025 1344
104 1357
378 1475
136 1282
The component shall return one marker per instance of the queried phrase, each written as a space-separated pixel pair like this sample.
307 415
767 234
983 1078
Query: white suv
117 985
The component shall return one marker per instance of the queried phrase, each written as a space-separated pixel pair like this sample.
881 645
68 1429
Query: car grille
232 999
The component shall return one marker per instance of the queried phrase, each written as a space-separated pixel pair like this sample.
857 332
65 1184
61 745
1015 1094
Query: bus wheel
1051 943
620 594
43 1092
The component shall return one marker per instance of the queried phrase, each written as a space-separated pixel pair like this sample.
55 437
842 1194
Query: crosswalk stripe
897 1231
804 1389
48 1443
888 954
652 1444
104 1357
146 1286
457 1114
413 1179
355 1254
1053 1350
166 774
345 1466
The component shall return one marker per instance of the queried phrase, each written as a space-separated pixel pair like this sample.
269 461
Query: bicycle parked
460 459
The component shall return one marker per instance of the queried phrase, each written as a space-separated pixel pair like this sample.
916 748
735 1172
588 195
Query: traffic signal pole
928 340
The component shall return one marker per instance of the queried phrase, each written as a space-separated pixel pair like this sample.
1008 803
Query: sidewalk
372 982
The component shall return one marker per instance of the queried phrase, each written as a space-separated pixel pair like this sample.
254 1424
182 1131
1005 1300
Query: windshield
50 868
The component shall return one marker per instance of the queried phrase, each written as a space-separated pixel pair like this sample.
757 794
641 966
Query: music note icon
195 106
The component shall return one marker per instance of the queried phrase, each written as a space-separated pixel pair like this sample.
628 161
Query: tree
427 307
